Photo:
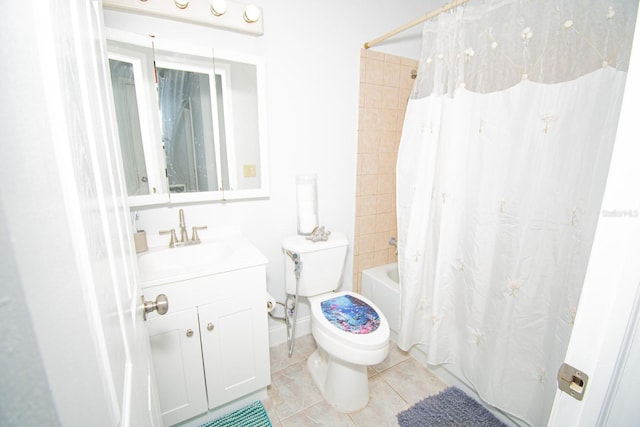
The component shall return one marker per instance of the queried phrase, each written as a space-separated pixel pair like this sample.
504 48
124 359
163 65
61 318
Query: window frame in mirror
152 114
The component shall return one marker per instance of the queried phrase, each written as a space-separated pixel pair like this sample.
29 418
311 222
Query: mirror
188 106
128 118
191 123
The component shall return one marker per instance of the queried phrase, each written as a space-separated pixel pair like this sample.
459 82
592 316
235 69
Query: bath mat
253 415
451 407
350 314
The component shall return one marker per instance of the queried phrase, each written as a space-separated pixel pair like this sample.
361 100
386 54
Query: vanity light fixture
181 4
218 7
232 15
251 13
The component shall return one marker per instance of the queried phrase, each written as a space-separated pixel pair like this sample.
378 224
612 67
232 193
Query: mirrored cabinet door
135 99
191 121
128 118
187 109
239 91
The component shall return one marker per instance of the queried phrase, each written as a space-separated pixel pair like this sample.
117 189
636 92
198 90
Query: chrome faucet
184 235
174 240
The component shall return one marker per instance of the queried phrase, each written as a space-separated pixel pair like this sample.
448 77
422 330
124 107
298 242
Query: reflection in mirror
198 132
127 116
242 124
135 101
187 129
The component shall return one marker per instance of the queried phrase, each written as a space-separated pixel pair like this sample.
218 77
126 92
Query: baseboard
278 333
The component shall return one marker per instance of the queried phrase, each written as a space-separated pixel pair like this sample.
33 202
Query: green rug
253 415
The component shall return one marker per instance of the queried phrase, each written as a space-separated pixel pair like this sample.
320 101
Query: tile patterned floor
294 400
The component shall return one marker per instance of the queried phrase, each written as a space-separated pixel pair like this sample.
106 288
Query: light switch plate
249 171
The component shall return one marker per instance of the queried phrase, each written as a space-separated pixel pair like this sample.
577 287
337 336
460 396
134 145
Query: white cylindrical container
307 195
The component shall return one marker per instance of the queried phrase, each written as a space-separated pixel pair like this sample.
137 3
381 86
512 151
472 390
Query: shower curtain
500 175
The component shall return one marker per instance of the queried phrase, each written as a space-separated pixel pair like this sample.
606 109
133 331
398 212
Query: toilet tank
322 264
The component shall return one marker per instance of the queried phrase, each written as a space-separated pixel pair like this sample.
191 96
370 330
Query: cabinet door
177 361
235 348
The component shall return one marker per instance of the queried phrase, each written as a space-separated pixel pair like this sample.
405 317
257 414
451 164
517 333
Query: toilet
351 333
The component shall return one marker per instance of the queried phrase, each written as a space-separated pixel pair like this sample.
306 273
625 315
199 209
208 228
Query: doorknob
161 305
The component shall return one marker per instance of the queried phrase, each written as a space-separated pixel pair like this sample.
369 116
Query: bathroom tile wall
385 86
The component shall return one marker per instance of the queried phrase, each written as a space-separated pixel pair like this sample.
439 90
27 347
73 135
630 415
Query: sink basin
185 257
164 264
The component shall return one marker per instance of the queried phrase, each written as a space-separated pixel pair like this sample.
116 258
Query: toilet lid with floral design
350 314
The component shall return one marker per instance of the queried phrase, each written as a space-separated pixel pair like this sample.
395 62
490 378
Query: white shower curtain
501 169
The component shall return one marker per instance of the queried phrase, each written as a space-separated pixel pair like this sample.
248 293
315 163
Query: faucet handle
174 239
194 234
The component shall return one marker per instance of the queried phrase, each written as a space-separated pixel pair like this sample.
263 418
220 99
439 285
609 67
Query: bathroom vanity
211 349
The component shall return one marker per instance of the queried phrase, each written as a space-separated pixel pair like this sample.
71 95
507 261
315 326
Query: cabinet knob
209 326
189 333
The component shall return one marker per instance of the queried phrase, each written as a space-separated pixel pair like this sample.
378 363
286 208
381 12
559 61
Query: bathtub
381 285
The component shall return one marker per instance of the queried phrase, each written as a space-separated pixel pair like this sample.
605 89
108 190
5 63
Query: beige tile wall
385 86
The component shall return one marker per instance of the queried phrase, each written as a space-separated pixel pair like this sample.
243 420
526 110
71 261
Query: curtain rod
405 27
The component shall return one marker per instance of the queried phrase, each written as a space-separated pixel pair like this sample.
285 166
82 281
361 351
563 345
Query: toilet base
344 386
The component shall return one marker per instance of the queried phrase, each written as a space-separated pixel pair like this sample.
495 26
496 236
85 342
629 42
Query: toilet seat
350 314
354 343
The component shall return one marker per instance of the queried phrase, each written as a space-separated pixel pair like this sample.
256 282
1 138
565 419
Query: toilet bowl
350 331
339 365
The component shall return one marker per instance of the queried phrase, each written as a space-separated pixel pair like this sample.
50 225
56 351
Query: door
607 316
177 358
69 221
234 347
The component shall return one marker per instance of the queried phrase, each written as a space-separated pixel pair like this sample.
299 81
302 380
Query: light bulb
181 3
251 13
218 7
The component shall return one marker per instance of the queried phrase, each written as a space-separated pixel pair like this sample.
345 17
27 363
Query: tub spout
394 242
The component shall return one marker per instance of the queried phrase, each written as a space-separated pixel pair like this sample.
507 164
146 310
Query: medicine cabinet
191 120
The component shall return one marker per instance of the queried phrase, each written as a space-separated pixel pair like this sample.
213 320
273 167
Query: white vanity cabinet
212 346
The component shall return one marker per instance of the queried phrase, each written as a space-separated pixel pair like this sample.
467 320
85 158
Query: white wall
312 53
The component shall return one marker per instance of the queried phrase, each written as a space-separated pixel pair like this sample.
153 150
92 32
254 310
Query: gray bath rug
449 408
